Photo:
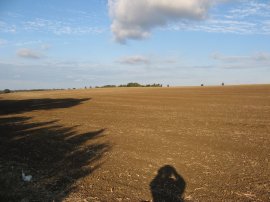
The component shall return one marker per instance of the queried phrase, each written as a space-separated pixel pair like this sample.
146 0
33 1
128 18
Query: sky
72 44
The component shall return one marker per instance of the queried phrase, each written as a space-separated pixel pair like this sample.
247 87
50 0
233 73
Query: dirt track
108 144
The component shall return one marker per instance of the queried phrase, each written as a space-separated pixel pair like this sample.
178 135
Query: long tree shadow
168 185
20 106
56 156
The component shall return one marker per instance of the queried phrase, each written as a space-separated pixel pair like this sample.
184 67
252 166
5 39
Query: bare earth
108 144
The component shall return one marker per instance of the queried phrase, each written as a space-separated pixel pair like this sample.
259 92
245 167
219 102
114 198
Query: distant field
108 144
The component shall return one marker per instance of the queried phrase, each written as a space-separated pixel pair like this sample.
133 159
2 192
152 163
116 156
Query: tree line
131 85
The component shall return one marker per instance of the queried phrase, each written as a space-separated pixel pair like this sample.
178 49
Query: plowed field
136 144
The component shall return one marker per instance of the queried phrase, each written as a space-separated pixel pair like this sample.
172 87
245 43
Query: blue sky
64 43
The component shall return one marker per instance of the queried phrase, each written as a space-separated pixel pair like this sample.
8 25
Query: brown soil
136 144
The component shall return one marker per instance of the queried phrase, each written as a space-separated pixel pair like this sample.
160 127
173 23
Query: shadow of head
168 185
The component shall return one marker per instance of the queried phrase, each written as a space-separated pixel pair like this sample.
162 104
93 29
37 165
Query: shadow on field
168 185
56 156
21 106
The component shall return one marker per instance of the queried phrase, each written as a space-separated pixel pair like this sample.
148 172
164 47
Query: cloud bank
135 19
134 60
256 60
3 42
28 53
259 57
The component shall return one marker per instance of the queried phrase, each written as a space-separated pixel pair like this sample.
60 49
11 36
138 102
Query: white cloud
45 46
27 43
3 42
149 61
28 53
133 60
135 19
240 17
266 26
7 28
260 56
59 27
217 26
256 60
250 8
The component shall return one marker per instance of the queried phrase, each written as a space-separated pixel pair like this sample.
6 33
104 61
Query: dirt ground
136 144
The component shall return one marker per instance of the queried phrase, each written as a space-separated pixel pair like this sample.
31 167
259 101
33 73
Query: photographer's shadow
168 185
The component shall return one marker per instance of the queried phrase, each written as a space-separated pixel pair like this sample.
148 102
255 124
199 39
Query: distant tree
140 85
153 85
134 85
109 86
222 84
202 84
7 91
168 85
